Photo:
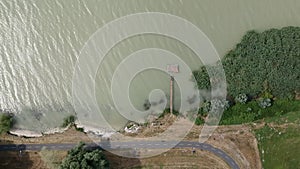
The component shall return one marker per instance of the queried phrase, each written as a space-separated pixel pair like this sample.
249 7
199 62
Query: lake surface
41 40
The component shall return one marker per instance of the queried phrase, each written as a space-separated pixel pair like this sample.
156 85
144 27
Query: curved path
114 145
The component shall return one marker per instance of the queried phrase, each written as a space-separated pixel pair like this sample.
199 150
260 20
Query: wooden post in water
172 69
171 94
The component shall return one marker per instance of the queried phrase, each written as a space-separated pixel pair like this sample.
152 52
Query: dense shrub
264 103
79 157
205 108
69 120
167 111
241 98
6 122
262 73
270 59
199 121
214 108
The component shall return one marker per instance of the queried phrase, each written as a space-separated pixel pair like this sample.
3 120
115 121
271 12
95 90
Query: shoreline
35 134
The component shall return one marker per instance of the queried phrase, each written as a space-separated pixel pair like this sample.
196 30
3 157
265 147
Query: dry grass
52 158
28 160
175 158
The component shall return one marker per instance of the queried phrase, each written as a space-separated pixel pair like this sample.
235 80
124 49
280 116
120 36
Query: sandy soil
240 143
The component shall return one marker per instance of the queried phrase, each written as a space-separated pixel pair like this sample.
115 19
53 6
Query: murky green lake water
41 40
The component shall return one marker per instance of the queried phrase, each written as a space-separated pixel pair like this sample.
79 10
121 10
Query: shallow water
41 41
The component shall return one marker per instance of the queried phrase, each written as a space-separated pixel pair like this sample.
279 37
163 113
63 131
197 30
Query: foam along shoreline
95 131
29 133
87 129
25 133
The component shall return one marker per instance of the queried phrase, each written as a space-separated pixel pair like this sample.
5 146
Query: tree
6 122
81 158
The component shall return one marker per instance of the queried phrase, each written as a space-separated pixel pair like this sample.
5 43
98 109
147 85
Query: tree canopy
81 158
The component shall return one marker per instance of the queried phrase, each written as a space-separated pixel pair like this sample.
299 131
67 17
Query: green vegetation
251 111
167 111
262 75
199 121
268 60
279 145
291 117
69 121
81 158
79 129
6 122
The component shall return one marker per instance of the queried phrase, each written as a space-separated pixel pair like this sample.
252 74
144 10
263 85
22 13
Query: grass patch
279 147
291 117
251 111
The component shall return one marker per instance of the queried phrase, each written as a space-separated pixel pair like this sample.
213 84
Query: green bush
199 121
241 98
204 108
261 61
264 103
69 120
79 129
167 111
6 122
241 113
79 157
